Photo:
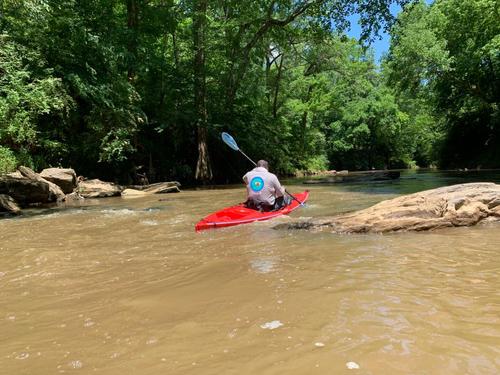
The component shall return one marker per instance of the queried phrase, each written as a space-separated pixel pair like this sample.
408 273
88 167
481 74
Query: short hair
263 163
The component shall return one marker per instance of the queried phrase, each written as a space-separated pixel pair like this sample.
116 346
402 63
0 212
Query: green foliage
31 101
8 162
447 55
372 132
108 86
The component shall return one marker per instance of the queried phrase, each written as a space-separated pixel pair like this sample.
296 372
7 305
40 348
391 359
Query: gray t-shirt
263 186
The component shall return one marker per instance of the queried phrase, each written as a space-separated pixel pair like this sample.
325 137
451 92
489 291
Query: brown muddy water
125 286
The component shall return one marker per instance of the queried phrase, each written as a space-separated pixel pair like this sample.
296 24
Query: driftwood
158 188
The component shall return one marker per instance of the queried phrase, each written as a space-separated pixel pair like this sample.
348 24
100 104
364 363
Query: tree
448 55
203 167
32 100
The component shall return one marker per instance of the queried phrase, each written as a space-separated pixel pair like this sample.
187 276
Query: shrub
8 162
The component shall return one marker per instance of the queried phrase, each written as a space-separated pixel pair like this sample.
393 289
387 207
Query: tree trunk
175 49
303 128
132 23
203 167
241 54
277 87
269 63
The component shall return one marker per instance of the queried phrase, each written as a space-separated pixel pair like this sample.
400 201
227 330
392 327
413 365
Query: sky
380 46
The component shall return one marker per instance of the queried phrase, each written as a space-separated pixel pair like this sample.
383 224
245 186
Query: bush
8 162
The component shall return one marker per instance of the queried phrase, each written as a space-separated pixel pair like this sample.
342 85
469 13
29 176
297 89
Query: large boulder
65 178
451 206
55 192
25 190
7 204
98 189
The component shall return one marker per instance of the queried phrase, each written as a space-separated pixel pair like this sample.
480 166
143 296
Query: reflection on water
127 286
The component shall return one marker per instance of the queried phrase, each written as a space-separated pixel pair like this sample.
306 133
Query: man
264 191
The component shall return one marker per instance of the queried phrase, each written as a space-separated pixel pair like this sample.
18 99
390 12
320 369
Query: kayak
239 214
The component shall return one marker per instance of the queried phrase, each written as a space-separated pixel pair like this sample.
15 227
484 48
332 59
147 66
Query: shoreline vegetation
123 91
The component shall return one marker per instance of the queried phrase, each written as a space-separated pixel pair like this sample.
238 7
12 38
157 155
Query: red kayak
239 214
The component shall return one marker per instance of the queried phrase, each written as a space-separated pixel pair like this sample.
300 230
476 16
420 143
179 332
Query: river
126 286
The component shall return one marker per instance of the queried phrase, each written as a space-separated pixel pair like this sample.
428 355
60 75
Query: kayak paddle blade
228 140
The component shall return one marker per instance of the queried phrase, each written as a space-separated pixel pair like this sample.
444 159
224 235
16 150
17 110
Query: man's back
262 186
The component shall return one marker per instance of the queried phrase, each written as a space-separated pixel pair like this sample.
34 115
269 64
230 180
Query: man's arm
280 190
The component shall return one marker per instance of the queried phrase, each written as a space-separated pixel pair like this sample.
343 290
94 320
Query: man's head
263 164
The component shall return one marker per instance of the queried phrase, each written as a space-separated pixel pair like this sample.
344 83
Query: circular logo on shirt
257 184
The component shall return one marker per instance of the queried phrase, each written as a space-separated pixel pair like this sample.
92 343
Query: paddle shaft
245 155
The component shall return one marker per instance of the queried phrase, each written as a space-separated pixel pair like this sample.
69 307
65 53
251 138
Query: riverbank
25 188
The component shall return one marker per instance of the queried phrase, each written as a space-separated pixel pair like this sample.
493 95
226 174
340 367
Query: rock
451 206
133 193
65 178
271 325
55 192
7 204
163 187
74 197
24 190
28 173
352 366
98 189
15 174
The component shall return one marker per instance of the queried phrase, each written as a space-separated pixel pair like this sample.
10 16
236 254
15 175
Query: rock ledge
450 206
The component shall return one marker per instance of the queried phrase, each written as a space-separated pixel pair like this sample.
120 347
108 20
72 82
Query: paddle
228 140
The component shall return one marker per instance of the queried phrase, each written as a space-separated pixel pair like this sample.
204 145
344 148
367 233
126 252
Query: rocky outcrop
27 188
9 205
98 189
55 192
25 191
65 178
451 206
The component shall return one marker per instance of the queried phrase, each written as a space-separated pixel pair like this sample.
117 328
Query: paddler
264 191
